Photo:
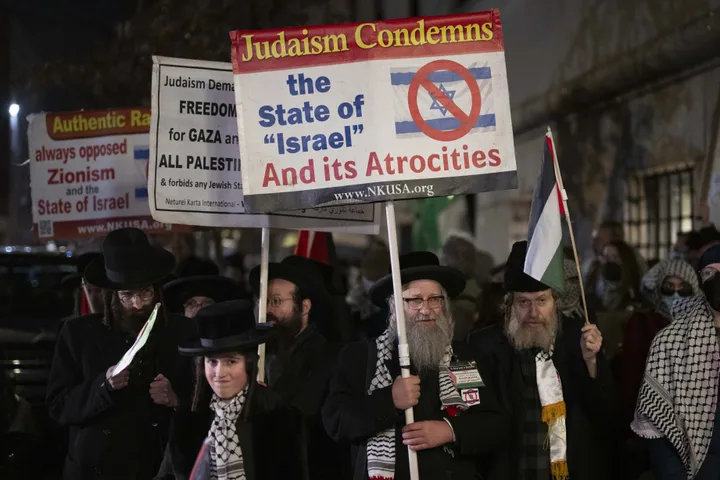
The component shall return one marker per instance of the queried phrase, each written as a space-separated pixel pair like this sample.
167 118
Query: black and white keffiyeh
653 280
569 298
381 447
678 396
225 453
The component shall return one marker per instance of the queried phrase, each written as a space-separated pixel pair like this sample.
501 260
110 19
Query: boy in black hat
300 359
457 420
189 294
552 380
118 423
238 426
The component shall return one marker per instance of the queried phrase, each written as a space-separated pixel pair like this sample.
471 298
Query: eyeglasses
276 302
684 291
144 295
416 303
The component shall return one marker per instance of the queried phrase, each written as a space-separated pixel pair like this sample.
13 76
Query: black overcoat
351 415
594 420
114 434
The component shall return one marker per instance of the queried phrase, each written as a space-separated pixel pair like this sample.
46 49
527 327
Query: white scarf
553 412
381 447
679 394
225 453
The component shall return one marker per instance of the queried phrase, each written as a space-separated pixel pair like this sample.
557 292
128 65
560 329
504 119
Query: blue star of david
436 105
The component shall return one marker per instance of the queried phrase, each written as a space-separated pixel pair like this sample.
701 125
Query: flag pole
403 350
262 301
564 197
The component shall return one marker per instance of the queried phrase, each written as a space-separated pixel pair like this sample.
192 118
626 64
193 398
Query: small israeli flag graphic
141 155
452 91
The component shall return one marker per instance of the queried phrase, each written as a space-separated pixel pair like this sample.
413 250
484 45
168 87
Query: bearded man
300 359
552 381
457 420
119 421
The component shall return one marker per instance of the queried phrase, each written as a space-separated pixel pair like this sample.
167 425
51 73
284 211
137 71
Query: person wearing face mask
663 285
676 409
621 297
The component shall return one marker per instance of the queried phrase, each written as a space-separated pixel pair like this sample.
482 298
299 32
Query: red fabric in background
313 245
85 303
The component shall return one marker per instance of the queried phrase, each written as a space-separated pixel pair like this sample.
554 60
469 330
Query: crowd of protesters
508 380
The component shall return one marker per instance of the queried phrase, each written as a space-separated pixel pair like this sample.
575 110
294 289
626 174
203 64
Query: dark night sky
44 30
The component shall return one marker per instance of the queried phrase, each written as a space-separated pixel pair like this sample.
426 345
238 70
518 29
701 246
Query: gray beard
428 344
522 338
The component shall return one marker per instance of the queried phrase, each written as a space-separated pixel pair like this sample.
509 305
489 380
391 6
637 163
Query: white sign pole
262 301
403 350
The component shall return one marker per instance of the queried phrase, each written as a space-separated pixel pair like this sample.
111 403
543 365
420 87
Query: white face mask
669 300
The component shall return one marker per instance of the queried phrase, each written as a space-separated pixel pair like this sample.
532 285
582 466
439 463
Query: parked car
32 305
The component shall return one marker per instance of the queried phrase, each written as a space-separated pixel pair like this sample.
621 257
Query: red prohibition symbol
467 120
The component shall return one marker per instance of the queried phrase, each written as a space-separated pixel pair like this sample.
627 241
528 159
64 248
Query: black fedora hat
220 289
226 327
419 266
129 261
516 280
301 271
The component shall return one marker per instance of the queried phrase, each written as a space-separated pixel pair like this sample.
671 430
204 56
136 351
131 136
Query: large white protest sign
195 174
357 113
88 172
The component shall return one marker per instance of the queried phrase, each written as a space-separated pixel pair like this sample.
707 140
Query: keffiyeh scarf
653 280
381 447
678 396
225 453
553 413
569 298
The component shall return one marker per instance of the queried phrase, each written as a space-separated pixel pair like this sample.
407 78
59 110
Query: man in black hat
119 421
457 420
300 359
189 294
553 382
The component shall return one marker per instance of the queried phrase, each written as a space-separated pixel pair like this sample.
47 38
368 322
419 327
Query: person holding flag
457 419
549 372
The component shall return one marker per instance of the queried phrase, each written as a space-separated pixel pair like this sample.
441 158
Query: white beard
523 338
428 344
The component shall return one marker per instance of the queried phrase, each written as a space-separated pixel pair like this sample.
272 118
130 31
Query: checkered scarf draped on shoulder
653 280
381 447
679 394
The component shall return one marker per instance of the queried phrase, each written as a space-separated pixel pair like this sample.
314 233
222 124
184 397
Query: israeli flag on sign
141 155
434 111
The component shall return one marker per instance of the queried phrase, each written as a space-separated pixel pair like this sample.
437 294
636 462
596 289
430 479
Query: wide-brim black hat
516 280
226 327
303 273
219 289
129 261
419 266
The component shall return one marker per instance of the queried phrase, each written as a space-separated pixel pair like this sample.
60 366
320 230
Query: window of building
658 206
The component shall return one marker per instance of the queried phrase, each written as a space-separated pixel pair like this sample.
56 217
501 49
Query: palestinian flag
544 260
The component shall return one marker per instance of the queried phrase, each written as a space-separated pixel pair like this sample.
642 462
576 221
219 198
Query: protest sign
88 172
377 111
195 177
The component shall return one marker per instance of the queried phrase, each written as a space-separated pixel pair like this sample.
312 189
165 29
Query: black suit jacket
593 411
351 415
113 434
